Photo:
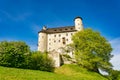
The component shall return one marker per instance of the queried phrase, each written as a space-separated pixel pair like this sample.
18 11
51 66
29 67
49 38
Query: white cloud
16 17
116 52
116 61
116 45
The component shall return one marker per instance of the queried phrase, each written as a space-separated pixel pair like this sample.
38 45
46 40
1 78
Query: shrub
40 61
17 54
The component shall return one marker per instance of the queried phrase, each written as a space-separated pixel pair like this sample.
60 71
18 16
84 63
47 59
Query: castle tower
42 40
78 23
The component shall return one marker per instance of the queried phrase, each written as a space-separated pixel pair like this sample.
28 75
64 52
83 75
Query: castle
52 39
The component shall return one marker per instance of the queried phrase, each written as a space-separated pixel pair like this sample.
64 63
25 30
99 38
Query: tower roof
78 17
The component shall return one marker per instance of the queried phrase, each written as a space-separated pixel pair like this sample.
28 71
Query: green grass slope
66 72
78 73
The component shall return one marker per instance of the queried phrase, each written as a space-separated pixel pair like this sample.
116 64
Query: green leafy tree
92 50
114 75
13 53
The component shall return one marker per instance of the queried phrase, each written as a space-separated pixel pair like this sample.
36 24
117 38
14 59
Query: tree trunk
96 70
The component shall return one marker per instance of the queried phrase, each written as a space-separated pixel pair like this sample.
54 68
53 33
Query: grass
66 72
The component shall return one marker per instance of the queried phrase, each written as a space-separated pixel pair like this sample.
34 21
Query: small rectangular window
54 35
63 40
59 40
66 39
66 29
59 35
71 28
60 29
66 34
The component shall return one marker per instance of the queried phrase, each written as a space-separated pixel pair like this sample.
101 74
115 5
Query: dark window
63 40
66 34
60 29
54 35
49 39
66 39
55 30
66 29
54 41
71 33
49 43
59 40
71 28
59 35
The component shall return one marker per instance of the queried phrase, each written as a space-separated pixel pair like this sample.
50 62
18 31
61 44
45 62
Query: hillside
66 72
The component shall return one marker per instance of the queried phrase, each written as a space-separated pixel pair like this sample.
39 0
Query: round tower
78 23
42 41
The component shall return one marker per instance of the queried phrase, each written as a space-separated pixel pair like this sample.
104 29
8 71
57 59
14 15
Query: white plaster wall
53 42
42 42
78 24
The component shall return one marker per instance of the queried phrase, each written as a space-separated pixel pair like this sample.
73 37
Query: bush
40 61
12 54
17 54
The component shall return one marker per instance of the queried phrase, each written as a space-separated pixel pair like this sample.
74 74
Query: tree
114 75
92 50
13 53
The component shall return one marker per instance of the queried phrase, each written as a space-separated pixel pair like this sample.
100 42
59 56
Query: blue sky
22 19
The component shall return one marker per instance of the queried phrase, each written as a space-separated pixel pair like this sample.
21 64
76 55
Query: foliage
70 72
92 50
67 56
12 54
114 75
18 54
41 61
